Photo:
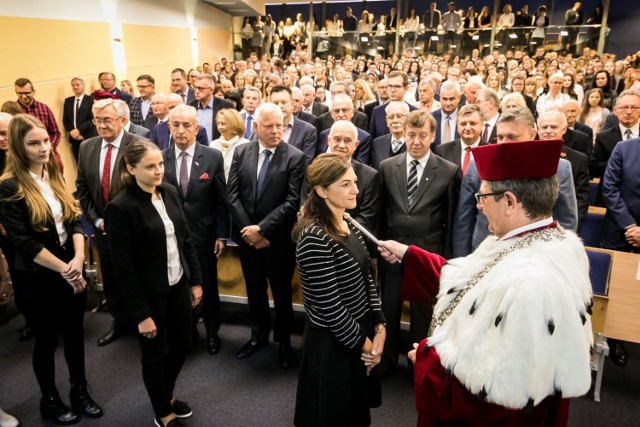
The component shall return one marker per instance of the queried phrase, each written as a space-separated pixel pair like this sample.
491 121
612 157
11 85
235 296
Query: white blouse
174 266
54 204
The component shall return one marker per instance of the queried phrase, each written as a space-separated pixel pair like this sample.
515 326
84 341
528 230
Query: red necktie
106 174
466 160
485 134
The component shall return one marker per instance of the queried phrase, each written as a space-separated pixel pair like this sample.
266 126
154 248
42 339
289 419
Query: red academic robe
441 399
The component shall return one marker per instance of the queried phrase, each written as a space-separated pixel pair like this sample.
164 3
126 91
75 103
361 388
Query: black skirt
333 387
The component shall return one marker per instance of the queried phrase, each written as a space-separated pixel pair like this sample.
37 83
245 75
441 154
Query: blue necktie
263 170
247 130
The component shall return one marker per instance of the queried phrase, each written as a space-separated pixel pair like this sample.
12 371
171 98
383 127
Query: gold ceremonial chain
546 235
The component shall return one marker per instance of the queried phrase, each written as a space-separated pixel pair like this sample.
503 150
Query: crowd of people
237 151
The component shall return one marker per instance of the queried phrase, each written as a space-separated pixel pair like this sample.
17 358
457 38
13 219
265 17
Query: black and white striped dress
342 306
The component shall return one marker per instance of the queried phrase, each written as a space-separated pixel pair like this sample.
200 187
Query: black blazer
83 120
580 171
318 108
579 141
452 151
325 121
381 150
309 118
581 127
605 143
275 209
28 242
138 245
205 204
218 104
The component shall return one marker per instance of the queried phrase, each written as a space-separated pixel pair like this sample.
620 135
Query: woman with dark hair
345 331
602 81
593 111
43 221
157 270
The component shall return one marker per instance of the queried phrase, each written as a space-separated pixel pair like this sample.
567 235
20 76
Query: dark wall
623 15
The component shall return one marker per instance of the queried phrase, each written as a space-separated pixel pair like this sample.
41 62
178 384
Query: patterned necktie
466 160
106 174
75 114
184 98
446 133
485 133
184 174
247 130
395 146
412 182
263 170
628 134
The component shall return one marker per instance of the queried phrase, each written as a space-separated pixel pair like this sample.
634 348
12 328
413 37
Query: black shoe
618 354
173 423
82 403
213 343
26 334
181 409
251 347
111 335
286 356
51 407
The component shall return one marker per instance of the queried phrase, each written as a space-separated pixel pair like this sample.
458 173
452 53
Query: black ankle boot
82 402
51 407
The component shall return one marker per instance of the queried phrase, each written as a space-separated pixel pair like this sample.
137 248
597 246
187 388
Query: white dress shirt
190 153
174 267
419 168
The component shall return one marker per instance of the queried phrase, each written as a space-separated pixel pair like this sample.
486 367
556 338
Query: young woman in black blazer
42 220
157 271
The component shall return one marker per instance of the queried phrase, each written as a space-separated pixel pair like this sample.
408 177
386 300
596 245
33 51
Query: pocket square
204 177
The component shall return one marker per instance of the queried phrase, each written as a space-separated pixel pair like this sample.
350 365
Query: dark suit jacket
252 135
578 141
378 123
138 245
609 122
427 223
318 108
438 116
580 171
277 50
381 150
122 95
304 138
581 127
205 204
162 137
325 121
140 131
362 152
309 118
218 104
621 193
275 209
368 110
28 242
426 19
150 122
83 120
452 151
88 182
602 149
191 95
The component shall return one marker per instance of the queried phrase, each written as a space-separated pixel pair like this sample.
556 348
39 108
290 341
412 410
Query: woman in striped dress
345 331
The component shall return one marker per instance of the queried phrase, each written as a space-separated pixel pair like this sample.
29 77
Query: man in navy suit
263 195
295 132
397 86
342 109
446 117
180 86
392 144
76 116
202 191
470 226
161 135
208 105
251 99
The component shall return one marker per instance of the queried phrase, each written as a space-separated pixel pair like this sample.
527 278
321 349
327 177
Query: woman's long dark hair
324 170
134 152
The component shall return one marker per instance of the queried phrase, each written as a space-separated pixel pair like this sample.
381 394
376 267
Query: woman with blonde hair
512 100
231 128
363 94
43 221
494 82
127 87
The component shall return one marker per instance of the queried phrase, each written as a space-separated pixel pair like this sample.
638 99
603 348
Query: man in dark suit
76 116
489 103
158 111
470 130
295 132
391 144
251 99
627 110
203 194
446 116
397 86
297 99
140 106
431 20
108 84
263 193
161 136
309 104
552 124
180 86
325 121
572 18
420 194
342 109
571 110
98 166
383 98
208 105
578 141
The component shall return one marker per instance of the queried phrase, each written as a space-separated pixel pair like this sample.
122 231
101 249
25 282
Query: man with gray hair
473 86
447 116
297 101
131 127
309 104
470 226
161 135
98 165
572 110
426 91
391 144
263 195
489 103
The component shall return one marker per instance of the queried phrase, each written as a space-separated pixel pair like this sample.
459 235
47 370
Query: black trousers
164 355
273 267
56 311
115 301
21 293
209 310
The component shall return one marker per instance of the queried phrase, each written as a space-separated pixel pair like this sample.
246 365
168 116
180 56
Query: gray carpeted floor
224 391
